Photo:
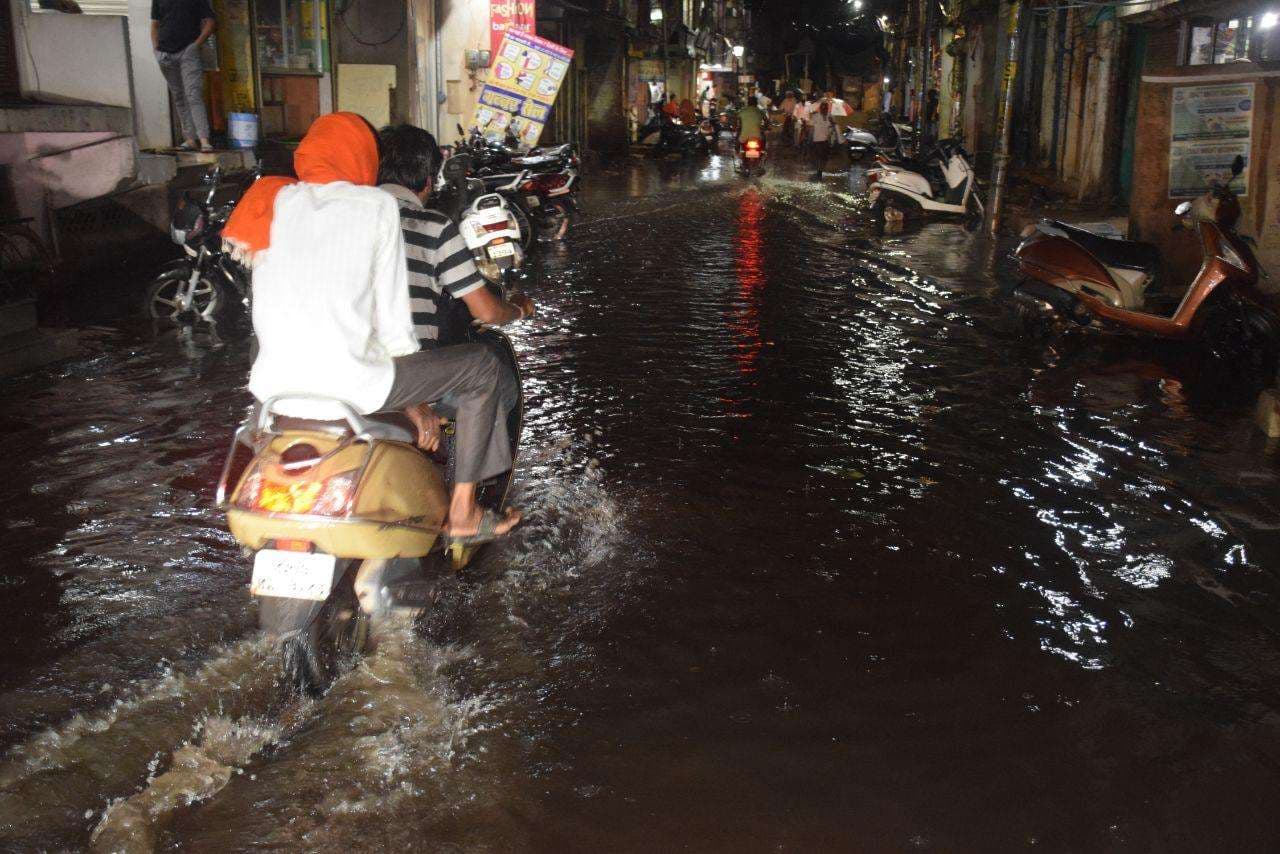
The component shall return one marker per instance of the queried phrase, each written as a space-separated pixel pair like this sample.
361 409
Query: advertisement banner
507 15
1209 126
523 81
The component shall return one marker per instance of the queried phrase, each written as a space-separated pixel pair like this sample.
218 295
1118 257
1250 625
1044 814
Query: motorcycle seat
1113 252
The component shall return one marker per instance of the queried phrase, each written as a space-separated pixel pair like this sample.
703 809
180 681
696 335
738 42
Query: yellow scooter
343 519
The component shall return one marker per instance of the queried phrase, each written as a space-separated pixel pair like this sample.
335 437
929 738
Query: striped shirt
438 260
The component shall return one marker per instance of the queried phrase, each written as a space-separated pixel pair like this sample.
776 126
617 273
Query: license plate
533 201
292 575
502 250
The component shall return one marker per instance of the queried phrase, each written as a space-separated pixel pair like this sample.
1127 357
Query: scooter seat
1113 252
385 426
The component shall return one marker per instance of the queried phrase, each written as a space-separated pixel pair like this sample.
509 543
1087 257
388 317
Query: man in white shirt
331 312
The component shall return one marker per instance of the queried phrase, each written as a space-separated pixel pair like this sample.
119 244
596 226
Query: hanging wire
342 16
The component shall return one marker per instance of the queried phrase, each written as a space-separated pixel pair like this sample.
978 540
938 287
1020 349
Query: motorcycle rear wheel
162 298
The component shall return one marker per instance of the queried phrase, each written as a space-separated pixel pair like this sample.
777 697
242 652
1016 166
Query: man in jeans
178 28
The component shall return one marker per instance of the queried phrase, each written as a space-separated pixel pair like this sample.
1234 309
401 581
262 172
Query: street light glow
886 81
857 5
1269 20
738 50
655 15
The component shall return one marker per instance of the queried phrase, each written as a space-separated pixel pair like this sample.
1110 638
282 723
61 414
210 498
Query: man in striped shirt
439 262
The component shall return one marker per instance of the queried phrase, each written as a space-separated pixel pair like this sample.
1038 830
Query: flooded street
823 554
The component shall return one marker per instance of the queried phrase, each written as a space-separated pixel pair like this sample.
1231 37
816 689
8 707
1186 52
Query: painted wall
463 25
151 106
372 23
68 58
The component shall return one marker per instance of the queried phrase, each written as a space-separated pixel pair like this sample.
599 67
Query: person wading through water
332 315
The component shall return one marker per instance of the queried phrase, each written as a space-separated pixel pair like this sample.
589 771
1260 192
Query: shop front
273 63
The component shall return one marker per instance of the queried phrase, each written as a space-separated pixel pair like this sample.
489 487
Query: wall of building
151 107
68 58
1150 210
463 25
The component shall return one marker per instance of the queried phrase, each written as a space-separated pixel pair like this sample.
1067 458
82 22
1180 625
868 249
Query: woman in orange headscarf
337 147
332 315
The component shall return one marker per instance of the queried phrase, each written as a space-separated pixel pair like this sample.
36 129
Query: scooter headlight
1227 254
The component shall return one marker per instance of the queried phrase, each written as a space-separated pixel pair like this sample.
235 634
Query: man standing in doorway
178 29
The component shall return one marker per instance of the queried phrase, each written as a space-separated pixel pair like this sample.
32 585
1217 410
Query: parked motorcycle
207 279
1076 275
343 518
886 139
942 182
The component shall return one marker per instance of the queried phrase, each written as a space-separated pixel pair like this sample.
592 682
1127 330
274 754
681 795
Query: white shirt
839 107
331 299
764 102
800 111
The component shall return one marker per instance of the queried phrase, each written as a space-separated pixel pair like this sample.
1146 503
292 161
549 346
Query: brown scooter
1075 274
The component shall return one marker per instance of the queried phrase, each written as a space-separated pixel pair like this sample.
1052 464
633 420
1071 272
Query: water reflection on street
822 554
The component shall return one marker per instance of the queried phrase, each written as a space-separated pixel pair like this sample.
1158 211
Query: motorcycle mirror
1237 166
1183 209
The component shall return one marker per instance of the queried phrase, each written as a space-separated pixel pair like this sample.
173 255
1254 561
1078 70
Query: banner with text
509 15
523 82
1209 127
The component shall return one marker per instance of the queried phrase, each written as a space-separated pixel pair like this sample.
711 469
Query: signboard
507 15
1209 126
523 81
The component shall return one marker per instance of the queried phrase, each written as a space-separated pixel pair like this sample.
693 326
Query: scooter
486 221
343 518
943 182
206 279
1073 274
859 142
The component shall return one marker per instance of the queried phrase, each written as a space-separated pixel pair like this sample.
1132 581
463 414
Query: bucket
242 129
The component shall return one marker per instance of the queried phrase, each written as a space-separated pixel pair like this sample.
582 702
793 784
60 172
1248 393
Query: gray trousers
472 380
185 76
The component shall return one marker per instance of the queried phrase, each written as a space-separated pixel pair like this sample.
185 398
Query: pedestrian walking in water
821 129
178 29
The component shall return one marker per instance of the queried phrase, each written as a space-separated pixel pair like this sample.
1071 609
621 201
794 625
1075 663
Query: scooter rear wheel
316 645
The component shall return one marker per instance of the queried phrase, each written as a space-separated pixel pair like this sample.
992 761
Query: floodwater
822 555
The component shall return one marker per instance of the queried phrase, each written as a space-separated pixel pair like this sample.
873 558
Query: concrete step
18 316
25 351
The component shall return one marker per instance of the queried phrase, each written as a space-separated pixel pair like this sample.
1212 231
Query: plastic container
242 129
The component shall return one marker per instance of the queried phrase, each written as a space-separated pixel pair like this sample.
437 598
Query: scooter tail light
753 144
330 496
502 225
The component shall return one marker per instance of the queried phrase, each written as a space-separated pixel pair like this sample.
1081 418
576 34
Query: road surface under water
822 554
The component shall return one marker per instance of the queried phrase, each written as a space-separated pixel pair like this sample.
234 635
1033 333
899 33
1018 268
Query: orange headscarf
337 147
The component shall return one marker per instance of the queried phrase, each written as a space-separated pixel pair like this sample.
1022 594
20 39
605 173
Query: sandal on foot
486 533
